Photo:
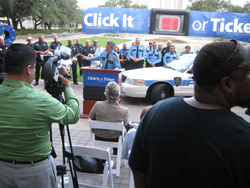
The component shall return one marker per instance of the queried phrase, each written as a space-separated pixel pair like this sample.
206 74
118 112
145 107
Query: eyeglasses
154 45
150 43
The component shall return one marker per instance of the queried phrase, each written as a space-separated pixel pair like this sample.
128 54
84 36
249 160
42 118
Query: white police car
159 83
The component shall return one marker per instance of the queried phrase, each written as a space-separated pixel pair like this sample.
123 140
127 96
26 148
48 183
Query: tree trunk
21 24
14 23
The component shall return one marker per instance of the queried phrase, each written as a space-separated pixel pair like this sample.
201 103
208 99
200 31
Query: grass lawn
101 41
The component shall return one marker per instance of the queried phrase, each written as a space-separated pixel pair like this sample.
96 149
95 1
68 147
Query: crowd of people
180 142
111 58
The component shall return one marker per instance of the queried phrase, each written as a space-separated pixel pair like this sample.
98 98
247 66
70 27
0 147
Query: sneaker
36 83
76 83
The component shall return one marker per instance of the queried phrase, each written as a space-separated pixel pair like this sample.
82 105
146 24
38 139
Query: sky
94 3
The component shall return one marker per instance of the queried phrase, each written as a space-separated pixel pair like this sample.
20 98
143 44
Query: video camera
53 67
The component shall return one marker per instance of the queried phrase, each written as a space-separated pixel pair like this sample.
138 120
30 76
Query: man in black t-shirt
198 141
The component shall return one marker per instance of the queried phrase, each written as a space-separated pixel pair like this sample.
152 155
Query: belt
23 162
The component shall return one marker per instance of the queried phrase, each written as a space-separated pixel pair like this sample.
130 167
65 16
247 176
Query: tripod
56 91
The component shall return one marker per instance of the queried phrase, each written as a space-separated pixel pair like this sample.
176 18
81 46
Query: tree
247 7
111 4
122 4
51 12
139 6
211 5
16 9
235 8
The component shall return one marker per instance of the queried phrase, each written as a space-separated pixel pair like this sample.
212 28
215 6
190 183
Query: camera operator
26 115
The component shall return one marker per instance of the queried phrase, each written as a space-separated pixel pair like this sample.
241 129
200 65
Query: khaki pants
39 175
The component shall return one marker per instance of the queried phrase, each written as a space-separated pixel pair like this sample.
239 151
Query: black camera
53 67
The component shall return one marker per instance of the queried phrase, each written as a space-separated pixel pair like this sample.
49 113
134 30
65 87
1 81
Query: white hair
169 41
112 91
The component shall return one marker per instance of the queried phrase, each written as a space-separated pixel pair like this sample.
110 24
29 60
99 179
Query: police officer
3 48
29 40
95 45
166 49
137 55
124 59
74 53
86 51
54 44
79 58
108 57
41 48
150 47
170 56
187 50
153 57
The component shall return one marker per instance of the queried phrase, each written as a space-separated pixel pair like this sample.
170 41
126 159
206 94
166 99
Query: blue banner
220 24
99 79
116 20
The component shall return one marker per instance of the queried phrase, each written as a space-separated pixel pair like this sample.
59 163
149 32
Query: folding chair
93 124
97 153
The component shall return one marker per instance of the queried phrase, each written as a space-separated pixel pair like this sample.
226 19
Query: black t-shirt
178 145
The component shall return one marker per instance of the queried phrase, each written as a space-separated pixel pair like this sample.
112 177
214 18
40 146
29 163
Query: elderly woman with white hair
109 111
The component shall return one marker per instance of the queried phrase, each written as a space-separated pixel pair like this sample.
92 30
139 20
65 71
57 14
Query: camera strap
106 62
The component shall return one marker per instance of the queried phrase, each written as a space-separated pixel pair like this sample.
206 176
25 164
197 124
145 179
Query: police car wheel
159 92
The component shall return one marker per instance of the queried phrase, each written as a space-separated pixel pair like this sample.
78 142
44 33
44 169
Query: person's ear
227 84
29 69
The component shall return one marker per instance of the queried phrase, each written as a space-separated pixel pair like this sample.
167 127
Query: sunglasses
154 45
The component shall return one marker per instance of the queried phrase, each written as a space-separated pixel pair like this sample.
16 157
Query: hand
65 81
85 58
153 64
65 71
135 59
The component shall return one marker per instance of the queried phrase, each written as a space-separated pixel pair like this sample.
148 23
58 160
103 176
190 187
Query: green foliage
139 6
211 5
22 32
121 4
47 12
219 6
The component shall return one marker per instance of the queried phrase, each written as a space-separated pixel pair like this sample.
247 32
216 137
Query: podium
94 83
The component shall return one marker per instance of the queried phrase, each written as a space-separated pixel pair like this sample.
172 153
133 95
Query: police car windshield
181 64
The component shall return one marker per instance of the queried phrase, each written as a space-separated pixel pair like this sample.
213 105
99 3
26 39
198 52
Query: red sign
169 23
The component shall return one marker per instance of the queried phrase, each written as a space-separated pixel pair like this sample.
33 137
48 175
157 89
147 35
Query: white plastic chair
97 153
93 124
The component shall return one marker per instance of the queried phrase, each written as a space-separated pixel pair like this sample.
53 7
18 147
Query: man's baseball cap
95 40
239 58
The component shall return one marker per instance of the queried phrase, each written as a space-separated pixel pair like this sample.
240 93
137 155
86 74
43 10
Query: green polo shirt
26 115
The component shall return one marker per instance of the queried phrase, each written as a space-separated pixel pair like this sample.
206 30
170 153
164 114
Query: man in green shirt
26 115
